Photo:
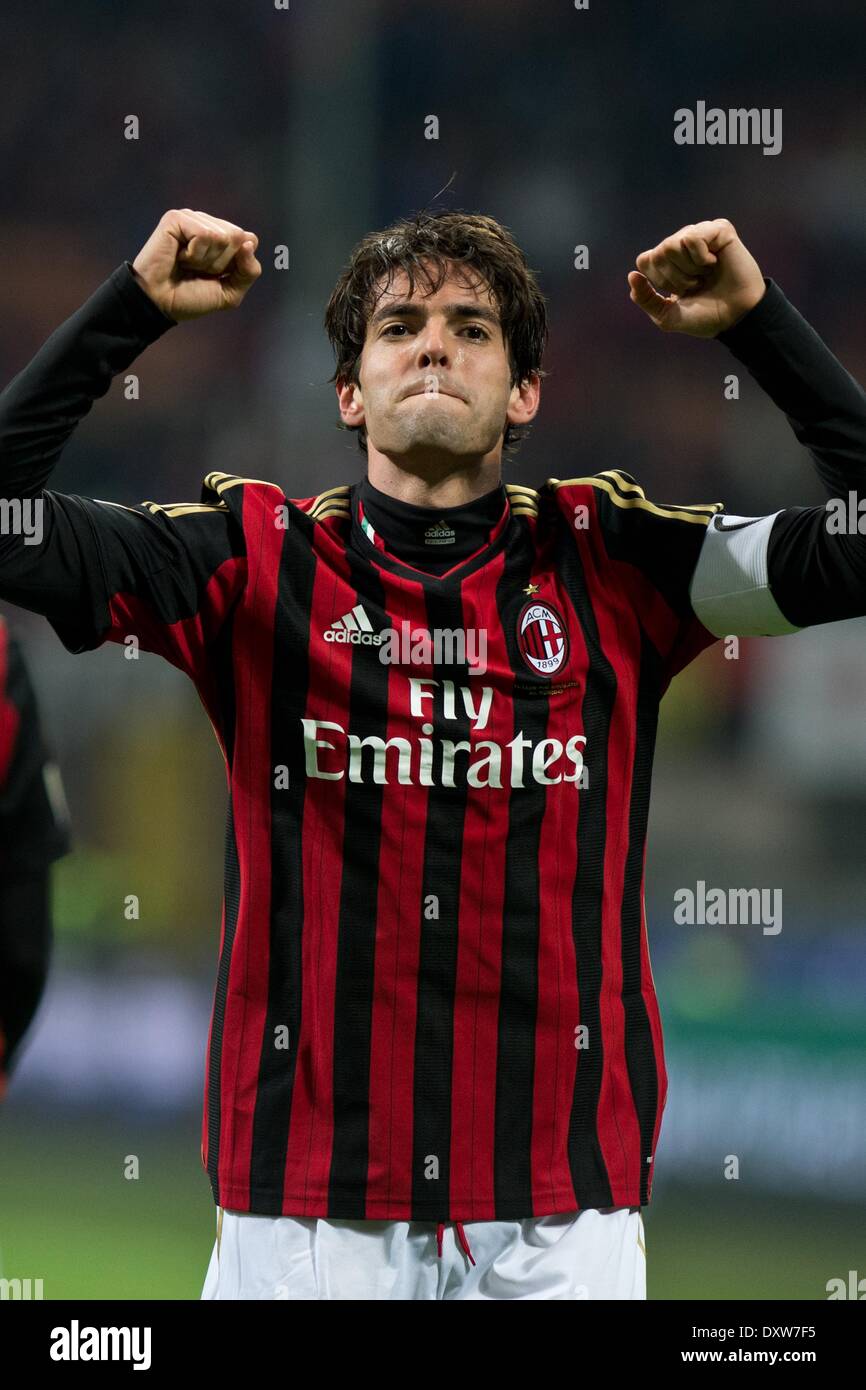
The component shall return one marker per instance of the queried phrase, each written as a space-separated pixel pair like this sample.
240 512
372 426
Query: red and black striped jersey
434 997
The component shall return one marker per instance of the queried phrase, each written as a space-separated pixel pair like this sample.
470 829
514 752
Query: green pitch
70 1217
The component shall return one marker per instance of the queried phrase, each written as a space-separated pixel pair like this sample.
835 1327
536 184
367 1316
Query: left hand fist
700 281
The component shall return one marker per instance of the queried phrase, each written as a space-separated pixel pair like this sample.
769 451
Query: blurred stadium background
307 125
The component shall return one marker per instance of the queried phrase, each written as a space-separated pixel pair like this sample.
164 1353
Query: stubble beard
437 433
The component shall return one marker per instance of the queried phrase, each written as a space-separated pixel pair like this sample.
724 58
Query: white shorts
592 1254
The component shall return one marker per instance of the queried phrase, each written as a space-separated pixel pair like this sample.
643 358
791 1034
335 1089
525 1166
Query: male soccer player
34 832
436 696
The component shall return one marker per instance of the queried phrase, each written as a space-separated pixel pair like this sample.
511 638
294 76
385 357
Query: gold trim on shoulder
218 482
331 509
630 494
184 508
522 500
334 501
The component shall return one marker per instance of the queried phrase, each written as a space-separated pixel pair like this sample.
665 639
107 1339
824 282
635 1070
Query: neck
453 488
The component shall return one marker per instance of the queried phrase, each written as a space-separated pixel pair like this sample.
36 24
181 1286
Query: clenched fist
701 280
195 264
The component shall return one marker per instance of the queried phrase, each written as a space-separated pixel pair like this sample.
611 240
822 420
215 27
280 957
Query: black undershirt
431 538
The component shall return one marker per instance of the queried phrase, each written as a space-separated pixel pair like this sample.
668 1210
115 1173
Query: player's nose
431 345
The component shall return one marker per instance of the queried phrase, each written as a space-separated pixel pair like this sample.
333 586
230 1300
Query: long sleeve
99 569
793 568
43 404
824 404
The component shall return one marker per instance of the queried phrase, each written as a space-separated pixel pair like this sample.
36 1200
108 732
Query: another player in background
34 832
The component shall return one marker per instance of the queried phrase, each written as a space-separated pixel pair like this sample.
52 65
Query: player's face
435 380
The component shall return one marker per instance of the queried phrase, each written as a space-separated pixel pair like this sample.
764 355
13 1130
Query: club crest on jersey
542 638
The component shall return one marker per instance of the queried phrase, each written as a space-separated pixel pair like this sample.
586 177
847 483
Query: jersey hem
270 1203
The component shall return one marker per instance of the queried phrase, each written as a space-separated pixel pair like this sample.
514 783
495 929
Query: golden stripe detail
220 481
103 502
184 508
628 487
683 513
332 509
329 504
332 492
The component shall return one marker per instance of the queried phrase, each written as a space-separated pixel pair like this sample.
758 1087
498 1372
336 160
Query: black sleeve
34 820
102 570
817 572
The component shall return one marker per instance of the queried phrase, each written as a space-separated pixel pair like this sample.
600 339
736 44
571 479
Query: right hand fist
195 264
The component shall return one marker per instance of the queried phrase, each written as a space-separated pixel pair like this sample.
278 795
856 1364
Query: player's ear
350 402
525 400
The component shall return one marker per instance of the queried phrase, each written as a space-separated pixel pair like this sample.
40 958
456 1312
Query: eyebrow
407 309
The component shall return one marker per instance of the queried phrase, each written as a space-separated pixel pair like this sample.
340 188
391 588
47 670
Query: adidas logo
354 627
439 534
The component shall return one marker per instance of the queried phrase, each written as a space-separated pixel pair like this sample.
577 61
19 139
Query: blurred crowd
307 125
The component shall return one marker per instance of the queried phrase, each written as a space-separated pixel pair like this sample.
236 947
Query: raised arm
71 557
793 568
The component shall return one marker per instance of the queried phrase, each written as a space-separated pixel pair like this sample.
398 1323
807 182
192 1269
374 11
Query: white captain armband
730 588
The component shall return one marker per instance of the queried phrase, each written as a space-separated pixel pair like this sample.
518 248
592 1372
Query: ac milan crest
542 638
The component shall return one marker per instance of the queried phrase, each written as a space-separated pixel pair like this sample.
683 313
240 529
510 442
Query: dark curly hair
422 246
